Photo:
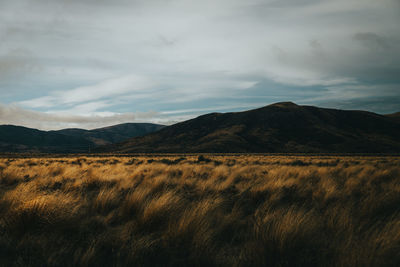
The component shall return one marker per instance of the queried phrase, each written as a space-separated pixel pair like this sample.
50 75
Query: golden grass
200 211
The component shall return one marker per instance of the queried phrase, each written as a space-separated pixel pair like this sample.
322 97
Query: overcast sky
92 63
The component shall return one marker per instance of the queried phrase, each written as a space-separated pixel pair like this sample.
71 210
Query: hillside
281 127
394 116
113 134
23 139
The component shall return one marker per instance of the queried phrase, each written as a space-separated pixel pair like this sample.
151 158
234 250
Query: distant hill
395 116
22 139
281 127
113 134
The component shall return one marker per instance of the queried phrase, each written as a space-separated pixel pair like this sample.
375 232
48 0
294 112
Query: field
200 211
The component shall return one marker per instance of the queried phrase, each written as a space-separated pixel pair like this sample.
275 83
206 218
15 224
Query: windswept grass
200 211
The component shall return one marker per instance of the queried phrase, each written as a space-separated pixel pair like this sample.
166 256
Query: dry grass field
200 211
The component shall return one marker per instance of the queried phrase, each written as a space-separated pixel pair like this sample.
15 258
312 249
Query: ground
200 210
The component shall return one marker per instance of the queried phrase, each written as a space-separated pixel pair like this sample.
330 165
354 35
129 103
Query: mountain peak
281 127
287 104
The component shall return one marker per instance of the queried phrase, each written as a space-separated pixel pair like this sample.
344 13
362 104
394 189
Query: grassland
200 211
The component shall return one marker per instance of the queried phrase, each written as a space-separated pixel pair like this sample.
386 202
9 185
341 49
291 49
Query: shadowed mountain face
282 127
113 134
22 139
395 116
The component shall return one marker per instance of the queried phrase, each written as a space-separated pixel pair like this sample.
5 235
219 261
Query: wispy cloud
12 114
103 90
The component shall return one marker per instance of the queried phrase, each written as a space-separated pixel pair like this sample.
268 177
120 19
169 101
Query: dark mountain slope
113 134
281 127
394 116
22 139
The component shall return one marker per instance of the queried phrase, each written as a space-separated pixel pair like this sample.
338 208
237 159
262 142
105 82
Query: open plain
200 210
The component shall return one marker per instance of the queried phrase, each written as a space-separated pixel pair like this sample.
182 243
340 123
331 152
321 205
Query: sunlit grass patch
183 211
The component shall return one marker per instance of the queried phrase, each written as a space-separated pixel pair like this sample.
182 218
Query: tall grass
208 211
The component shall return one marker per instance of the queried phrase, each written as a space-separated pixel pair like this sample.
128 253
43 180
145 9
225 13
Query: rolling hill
113 134
278 128
395 116
21 139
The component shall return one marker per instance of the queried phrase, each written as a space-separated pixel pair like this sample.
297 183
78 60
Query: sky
94 63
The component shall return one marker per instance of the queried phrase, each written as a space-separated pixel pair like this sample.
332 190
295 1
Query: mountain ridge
282 127
17 139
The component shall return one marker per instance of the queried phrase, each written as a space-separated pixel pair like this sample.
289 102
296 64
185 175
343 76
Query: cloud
103 90
362 97
16 61
372 40
12 114
115 57
138 90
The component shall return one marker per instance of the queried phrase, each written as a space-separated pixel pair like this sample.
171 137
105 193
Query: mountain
394 116
23 139
279 128
113 134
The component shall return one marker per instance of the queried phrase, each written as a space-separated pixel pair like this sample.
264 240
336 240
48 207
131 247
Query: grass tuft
202 210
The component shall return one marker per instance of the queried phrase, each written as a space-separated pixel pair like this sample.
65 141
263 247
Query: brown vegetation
200 211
